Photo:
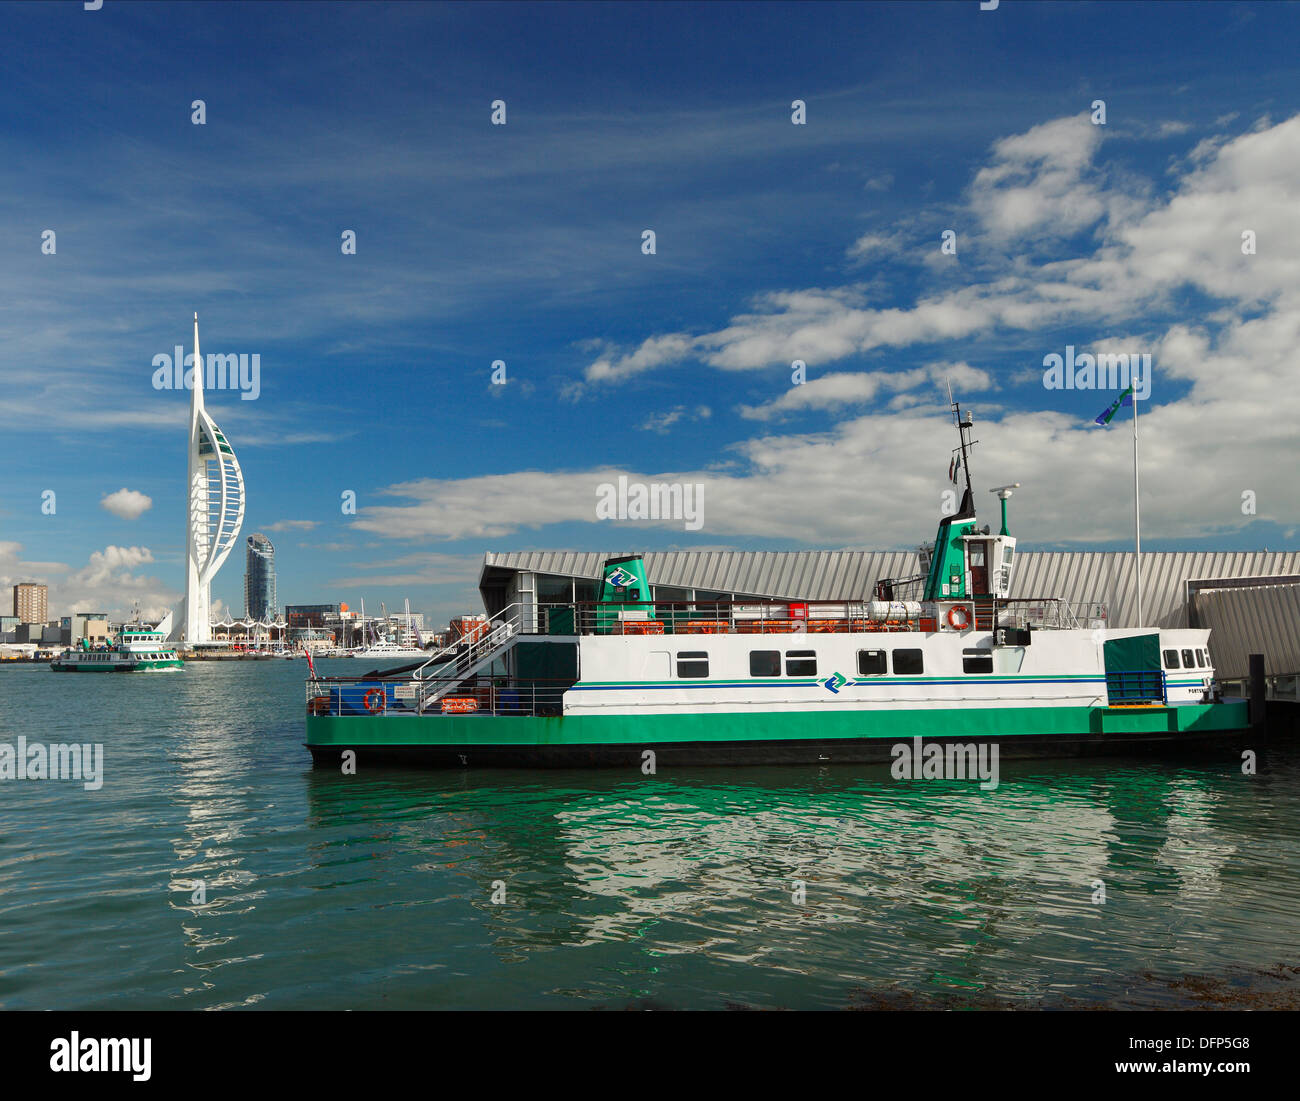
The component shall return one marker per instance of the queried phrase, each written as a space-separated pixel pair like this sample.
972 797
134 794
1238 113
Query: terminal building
1249 599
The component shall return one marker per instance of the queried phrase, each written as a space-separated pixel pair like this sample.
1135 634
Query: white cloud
108 582
662 422
835 391
1038 181
127 503
654 352
291 525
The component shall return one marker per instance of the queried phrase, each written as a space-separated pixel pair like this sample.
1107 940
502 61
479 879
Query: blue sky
523 243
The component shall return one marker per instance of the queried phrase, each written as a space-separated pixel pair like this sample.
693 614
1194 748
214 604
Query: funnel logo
835 682
620 578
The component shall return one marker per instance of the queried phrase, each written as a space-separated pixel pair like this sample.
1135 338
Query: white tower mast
215 490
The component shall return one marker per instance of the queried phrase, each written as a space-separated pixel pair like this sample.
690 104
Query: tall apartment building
31 602
259 578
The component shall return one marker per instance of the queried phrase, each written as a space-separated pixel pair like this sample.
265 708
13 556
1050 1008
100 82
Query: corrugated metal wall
1077 576
1257 620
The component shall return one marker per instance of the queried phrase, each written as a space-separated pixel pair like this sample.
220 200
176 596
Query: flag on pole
311 666
1126 398
953 467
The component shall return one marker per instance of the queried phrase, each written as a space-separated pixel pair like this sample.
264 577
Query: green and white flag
1126 398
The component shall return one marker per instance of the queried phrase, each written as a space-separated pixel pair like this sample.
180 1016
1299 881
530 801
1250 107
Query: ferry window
554 590
693 663
871 662
1201 663
765 663
801 663
1189 661
977 661
1171 659
908 662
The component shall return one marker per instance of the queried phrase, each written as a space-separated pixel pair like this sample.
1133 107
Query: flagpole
1137 510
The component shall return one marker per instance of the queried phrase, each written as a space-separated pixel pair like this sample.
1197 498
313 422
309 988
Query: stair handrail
510 613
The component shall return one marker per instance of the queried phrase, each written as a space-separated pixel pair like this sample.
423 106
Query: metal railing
402 695
484 641
1131 686
730 617
813 617
1050 613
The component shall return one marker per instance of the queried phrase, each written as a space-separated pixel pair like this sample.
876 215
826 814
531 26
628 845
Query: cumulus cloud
1039 180
110 581
127 503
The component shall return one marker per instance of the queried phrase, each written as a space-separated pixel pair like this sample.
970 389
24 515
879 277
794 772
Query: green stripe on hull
723 727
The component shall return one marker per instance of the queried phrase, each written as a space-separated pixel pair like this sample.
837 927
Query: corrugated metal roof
1257 620
1077 576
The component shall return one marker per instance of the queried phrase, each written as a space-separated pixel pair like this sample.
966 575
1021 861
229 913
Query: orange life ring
319 705
953 617
371 705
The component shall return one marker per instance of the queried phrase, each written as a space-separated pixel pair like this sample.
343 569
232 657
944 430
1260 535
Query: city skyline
383 448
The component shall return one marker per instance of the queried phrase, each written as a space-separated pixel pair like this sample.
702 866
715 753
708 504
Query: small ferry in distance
139 649
947 656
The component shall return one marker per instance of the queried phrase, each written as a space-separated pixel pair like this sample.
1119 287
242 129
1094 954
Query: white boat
385 648
139 649
947 656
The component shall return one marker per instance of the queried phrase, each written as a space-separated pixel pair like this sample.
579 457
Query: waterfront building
31 602
310 615
215 510
259 578
90 626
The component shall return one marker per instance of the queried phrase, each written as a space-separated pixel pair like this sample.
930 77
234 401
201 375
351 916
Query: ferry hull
450 741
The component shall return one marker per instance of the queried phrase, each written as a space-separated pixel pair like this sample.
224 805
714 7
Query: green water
376 890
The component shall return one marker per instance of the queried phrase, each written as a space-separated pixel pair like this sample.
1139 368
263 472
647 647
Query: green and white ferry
945 656
138 649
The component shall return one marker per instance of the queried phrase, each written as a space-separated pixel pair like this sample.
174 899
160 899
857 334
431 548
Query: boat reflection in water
676 886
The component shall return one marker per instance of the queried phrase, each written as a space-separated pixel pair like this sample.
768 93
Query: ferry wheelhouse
139 649
947 655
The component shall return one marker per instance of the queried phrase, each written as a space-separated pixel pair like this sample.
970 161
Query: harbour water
401 890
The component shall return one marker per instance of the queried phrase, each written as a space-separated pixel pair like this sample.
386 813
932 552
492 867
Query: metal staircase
463 659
